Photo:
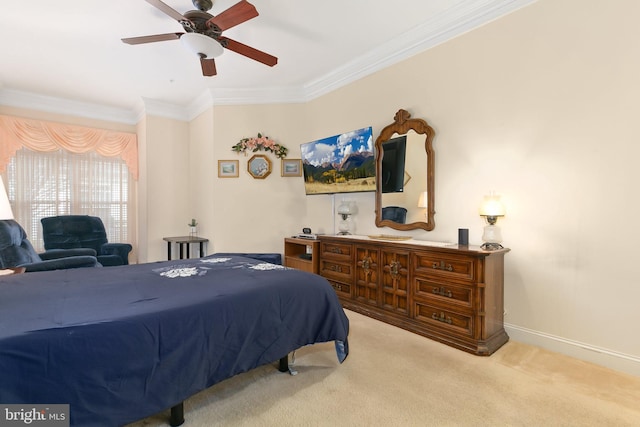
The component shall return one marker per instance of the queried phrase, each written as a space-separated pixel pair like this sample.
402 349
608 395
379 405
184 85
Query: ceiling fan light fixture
202 45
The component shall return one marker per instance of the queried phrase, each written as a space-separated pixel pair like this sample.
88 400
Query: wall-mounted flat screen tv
342 163
394 154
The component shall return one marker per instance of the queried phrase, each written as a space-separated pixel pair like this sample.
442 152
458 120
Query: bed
122 343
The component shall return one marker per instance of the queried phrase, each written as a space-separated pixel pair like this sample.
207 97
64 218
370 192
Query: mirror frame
402 124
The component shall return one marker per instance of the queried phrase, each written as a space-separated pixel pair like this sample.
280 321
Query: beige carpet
396 378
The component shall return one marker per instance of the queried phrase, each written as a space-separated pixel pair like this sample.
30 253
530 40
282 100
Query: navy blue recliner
16 251
83 231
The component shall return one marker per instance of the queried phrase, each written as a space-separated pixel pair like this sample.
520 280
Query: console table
185 242
450 293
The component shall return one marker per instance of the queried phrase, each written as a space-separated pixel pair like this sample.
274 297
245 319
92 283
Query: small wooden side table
303 254
185 241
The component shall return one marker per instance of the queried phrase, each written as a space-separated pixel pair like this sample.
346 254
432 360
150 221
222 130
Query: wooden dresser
452 294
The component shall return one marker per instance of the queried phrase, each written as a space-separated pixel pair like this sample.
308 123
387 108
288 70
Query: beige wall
253 215
540 106
165 189
202 175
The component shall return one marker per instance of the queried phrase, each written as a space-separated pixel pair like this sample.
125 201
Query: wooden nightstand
301 254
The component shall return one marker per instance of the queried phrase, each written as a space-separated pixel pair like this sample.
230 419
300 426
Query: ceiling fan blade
167 10
236 14
249 52
208 66
153 38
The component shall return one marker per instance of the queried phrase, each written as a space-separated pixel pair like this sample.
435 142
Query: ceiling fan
204 32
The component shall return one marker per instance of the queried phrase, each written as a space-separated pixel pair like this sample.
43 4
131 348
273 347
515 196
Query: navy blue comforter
121 343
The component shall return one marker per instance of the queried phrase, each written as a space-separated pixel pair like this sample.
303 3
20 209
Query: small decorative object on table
193 228
263 143
463 236
388 237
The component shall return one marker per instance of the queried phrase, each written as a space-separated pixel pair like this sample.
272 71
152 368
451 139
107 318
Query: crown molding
153 107
456 21
247 96
50 104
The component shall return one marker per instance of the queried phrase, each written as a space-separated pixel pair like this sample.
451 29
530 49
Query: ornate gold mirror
409 203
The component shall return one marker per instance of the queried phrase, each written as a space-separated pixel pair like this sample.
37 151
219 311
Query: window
42 184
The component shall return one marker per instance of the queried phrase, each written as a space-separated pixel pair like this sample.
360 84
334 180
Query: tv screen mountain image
343 163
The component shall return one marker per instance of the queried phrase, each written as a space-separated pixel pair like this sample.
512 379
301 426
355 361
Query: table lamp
5 206
345 211
491 208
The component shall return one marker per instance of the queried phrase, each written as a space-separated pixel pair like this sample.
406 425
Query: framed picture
228 168
291 167
259 166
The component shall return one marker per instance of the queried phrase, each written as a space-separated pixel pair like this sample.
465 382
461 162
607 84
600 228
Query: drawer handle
335 250
336 268
366 264
442 318
337 287
394 268
442 266
443 292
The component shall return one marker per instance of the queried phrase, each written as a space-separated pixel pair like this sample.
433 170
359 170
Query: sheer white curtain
42 184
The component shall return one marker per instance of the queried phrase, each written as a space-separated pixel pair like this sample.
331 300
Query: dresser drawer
337 251
446 320
429 291
336 270
342 289
444 266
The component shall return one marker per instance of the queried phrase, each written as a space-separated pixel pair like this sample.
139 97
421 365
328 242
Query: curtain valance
37 135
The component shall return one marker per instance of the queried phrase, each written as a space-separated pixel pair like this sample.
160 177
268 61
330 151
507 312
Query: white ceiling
70 50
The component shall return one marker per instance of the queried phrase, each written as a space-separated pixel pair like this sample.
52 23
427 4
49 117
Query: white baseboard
587 352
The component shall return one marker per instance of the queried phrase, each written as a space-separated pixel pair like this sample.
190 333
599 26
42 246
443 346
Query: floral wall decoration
263 143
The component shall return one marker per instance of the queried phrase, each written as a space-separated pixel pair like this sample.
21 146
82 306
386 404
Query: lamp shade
492 206
202 45
345 208
5 206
